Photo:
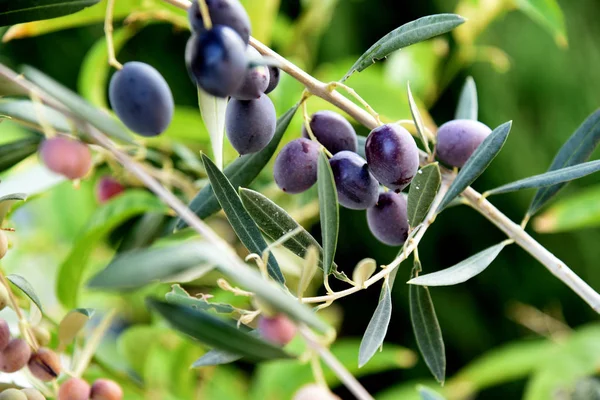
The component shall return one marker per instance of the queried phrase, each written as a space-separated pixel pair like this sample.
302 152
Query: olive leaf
377 328
363 271
418 120
428 394
213 113
467 103
17 11
178 295
71 325
329 211
422 192
7 201
26 288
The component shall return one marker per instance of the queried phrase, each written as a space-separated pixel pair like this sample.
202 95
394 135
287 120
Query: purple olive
458 139
295 168
357 189
388 220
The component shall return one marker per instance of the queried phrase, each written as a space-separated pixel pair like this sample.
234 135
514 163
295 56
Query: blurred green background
523 73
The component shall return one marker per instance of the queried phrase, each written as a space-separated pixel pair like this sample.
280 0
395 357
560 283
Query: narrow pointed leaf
213 113
461 272
17 11
410 33
428 394
8 84
178 295
6 203
548 14
26 288
363 271
216 332
422 192
71 325
275 222
78 106
377 328
550 178
216 357
467 102
576 150
577 211
416 115
238 217
427 331
329 211
477 163
309 269
30 114
241 172
138 268
14 152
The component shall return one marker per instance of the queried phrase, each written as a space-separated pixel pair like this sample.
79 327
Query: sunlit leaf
377 328
422 192
26 288
216 332
238 217
178 295
103 221
549 178
78 105
329 211
477 163
576 150
309 269
34 115
71 325
461 272
467 103
427 330
213 113
416 116
548 14
429 394
363 271
410 33
17 11
580 210
216 357
241 172
7 201
138 268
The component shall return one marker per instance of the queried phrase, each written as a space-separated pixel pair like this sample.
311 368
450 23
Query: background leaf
377 328
549 15
427 330
216 332
580 210
26 288
241 172
477 163
103 221
178 295
429 394
413 32
16 11
241 222
549 178
7 201
467 103
461 272
576 150
422 192
71 325
329 211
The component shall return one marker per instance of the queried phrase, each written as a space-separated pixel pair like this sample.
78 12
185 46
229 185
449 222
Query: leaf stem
108 32
205 14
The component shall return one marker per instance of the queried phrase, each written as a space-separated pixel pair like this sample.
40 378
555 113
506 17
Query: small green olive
12 394
33 394
4 298
3 244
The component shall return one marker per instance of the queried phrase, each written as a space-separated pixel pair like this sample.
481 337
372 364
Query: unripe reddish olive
104 389
45 365
4 333
3 244
278 329
33 394
74 389
12 394
67 157
4 300
15 356
314 392
107 188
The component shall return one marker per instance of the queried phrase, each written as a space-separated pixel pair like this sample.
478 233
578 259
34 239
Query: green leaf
138 268
17 11
103 221
6 202
238 217
178 295
216 357
576 150
427 330
241 172
213 113
549 178
26 288
275 222
377 328
309 270
429 394
71 325
79 106
216 332
33 115
422 192
8 85
410 33
477 163
329 211
548 14
467 103
145 230
13 153
461 272
416 116
580 210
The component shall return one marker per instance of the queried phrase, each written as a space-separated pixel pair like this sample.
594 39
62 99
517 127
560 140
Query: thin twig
108 32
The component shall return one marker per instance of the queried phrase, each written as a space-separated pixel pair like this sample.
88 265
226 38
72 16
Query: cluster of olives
23 394
79 389
392 161
221 63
